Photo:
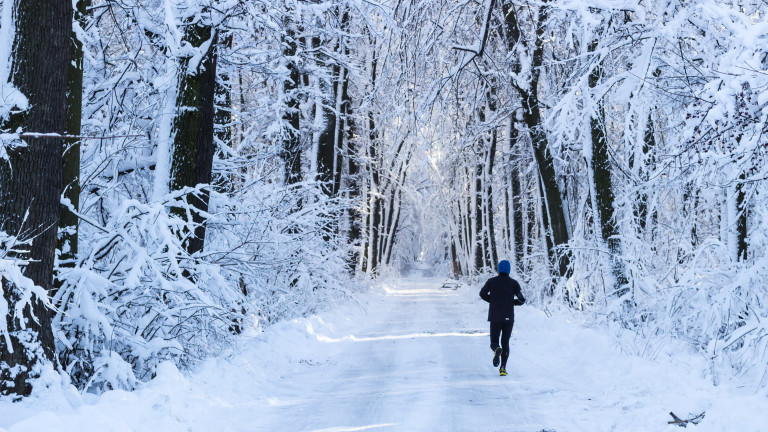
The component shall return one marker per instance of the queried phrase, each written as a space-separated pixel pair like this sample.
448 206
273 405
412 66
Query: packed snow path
411 357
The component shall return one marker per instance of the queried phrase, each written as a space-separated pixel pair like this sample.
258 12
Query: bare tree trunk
68 222
649 143
460 243
393 225
346 132
345 138
517 203
355 216
372 261
478 214
327 143
469 243
601 169
533 208
508 244
222 117
555 219
193 144
31 178
455 261
292 138
391 219
741 218
491 236
371 249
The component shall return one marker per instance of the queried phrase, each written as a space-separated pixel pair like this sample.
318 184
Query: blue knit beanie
504 266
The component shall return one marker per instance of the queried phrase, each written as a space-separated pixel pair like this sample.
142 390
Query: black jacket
500 293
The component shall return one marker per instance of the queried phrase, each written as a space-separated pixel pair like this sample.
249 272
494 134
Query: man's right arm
520 300
485 293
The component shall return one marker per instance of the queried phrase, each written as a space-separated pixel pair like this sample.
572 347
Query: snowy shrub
286 260
137 298
137 295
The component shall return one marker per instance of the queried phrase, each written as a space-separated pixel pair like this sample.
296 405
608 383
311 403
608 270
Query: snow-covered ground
409 357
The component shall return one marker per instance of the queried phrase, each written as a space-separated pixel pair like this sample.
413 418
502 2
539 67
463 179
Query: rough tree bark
31 178
478 218
222 116
292 138
517 202
553 211
649 143
490 232
68 222
345 138
512 39
601 173
193 144
327 142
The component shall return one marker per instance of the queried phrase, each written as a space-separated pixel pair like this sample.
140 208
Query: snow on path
414 357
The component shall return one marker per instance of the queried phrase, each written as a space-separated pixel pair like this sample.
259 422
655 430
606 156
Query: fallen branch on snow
684 423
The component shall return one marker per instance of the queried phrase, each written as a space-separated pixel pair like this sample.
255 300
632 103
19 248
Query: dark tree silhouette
31 179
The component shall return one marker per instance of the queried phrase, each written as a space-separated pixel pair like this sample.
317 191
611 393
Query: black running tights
503 329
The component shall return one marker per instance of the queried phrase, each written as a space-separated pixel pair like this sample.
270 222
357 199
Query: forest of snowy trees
175 171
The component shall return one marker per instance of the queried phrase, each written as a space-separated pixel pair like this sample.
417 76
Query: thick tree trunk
513 35
556 221
292 138
31 178
326 146
68 222
649 143
354 214
480 239
346 139
327 149
455 261
517 203
601 170
343 135
553 212
193 144
222 116
491 232
478 215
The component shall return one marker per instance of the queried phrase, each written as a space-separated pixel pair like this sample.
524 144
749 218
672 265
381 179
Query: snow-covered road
412 357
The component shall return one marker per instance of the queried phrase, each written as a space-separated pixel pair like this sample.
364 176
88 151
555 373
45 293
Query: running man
502 294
